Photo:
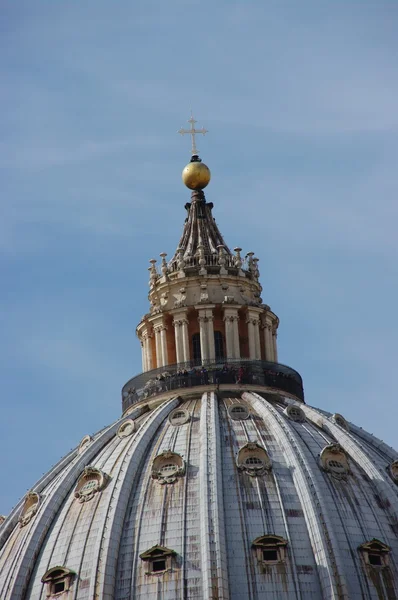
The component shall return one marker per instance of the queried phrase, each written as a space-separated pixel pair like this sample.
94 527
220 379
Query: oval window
295 413
126 428
179 416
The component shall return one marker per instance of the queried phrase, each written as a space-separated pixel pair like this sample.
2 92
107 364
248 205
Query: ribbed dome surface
228 497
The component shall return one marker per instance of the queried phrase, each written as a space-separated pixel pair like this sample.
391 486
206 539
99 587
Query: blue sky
300 102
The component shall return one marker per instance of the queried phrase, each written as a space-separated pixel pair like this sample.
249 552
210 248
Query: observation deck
234 374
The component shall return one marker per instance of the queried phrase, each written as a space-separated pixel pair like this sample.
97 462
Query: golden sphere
196 175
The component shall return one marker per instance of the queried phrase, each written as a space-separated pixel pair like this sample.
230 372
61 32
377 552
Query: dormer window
89 483
335 461
167 466
178 417
270 549
253 459
158 560
340 421
295 413
58 581
30 508
238 412
375 553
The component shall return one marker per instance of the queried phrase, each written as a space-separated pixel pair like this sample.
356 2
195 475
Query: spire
201 241
201 234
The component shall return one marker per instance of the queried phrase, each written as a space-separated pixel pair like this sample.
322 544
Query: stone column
274 344
203 337
177 340
253 326
143 355
146 336
266 325
231 319
163 341
157 329
180 323
185 340
257 339
205 318
269 354
229 337
210 336
144 332
252 343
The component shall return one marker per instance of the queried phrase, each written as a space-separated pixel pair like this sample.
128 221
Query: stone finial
222 259
202 260
256 272
250 262
180 260
153 274
238 258
164 267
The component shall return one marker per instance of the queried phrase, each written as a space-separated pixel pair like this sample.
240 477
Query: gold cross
193 132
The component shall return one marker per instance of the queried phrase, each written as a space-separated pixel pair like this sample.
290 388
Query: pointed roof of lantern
200 230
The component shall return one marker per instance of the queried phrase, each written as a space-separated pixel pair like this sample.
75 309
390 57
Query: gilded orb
196 175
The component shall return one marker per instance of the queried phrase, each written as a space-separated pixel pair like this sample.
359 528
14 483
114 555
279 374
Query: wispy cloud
300 104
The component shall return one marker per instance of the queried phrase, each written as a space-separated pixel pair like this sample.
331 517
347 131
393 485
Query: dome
211 495
218 480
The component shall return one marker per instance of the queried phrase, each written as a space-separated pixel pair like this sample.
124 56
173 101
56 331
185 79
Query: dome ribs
18 577
218 529
384 487
109 541
200 228
213 545
309 486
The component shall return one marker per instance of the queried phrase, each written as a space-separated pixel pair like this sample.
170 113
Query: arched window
197 355
218 345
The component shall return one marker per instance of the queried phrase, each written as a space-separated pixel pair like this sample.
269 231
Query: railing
211 261
234 372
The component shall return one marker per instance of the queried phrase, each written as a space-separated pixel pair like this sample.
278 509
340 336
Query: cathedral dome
218 480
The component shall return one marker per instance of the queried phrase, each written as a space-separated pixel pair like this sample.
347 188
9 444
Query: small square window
158 565
59 587
375 560
270 555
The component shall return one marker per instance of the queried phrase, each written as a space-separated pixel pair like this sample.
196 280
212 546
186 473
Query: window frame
56 576
158 554
270 543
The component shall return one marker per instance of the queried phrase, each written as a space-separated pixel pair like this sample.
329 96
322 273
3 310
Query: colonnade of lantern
247 332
